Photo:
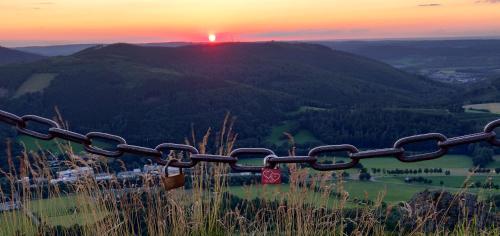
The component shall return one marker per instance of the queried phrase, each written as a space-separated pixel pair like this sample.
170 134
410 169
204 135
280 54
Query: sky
47 22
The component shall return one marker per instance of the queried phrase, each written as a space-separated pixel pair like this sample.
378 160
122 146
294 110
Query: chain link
160 154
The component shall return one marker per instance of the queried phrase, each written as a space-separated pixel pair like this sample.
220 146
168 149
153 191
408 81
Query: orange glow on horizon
188 20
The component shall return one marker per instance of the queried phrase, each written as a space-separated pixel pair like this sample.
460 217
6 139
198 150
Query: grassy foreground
312 203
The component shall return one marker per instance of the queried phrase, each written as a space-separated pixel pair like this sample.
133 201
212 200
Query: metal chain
160 153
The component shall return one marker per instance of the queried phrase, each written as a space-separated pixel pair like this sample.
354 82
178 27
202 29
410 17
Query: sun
212 38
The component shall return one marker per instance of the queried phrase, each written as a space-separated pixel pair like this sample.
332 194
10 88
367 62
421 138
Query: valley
281 96
449 61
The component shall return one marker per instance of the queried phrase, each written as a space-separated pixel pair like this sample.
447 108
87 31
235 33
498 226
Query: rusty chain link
160 153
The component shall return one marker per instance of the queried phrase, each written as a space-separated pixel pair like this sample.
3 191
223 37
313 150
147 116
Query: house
73 175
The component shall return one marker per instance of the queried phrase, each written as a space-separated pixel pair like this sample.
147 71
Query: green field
496 163
491 107
53 146
65 211
36 83
356 189
458 164
428 111
301 136
304 109
446 162
280 192
16 223
448 181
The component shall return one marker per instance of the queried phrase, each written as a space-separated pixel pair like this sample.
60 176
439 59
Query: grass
304 109
304 136
491 107
281 192
392 192
66 210
448 181
446 162
53 146
16 223
203 209
36 83
356 189
300 136
276 135
427 111
496 163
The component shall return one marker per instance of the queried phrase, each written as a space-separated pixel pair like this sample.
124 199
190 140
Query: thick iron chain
160 153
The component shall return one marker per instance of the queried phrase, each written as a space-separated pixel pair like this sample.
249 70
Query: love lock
270 175
172 181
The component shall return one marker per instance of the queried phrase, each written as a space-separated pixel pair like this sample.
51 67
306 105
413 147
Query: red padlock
271 176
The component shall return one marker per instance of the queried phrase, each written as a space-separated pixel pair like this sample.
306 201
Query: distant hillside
8 56
56 50
68 49
154 94
487 91
443 60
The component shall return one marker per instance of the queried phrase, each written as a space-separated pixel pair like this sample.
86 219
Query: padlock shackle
165 168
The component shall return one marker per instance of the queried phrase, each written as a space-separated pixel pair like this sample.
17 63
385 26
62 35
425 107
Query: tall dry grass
207 208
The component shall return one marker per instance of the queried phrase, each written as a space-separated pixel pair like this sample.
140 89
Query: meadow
483 107
35 83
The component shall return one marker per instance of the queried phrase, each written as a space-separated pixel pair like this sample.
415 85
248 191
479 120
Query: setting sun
212 37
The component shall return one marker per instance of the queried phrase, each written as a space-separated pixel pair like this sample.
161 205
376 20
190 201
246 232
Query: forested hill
487 91
154 94
8 56
306 70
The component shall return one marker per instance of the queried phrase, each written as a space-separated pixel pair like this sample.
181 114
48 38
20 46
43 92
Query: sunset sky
44 22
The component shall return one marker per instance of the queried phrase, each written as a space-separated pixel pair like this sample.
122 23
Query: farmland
36 83
63 211
484 107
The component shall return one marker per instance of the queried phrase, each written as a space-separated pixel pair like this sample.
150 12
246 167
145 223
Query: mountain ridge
10 56
158 92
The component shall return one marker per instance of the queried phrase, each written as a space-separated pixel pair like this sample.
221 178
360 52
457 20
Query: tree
482 156
365 176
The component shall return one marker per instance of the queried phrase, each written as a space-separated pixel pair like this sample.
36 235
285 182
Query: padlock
172 181
270 175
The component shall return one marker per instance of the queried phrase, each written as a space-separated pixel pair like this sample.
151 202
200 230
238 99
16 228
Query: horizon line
423 38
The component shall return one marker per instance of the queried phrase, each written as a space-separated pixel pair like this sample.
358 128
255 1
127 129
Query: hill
8 56
68 49
56 50
154 94
443 60
486 91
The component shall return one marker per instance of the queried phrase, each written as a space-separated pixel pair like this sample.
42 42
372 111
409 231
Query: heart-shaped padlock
270 175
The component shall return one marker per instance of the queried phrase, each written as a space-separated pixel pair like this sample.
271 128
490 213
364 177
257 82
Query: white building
72 175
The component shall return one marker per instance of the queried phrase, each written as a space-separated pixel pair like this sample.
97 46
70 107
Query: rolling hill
443 60
486 91
154 94
9 56
55 50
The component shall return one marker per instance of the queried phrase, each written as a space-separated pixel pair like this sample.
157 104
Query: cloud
430 5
